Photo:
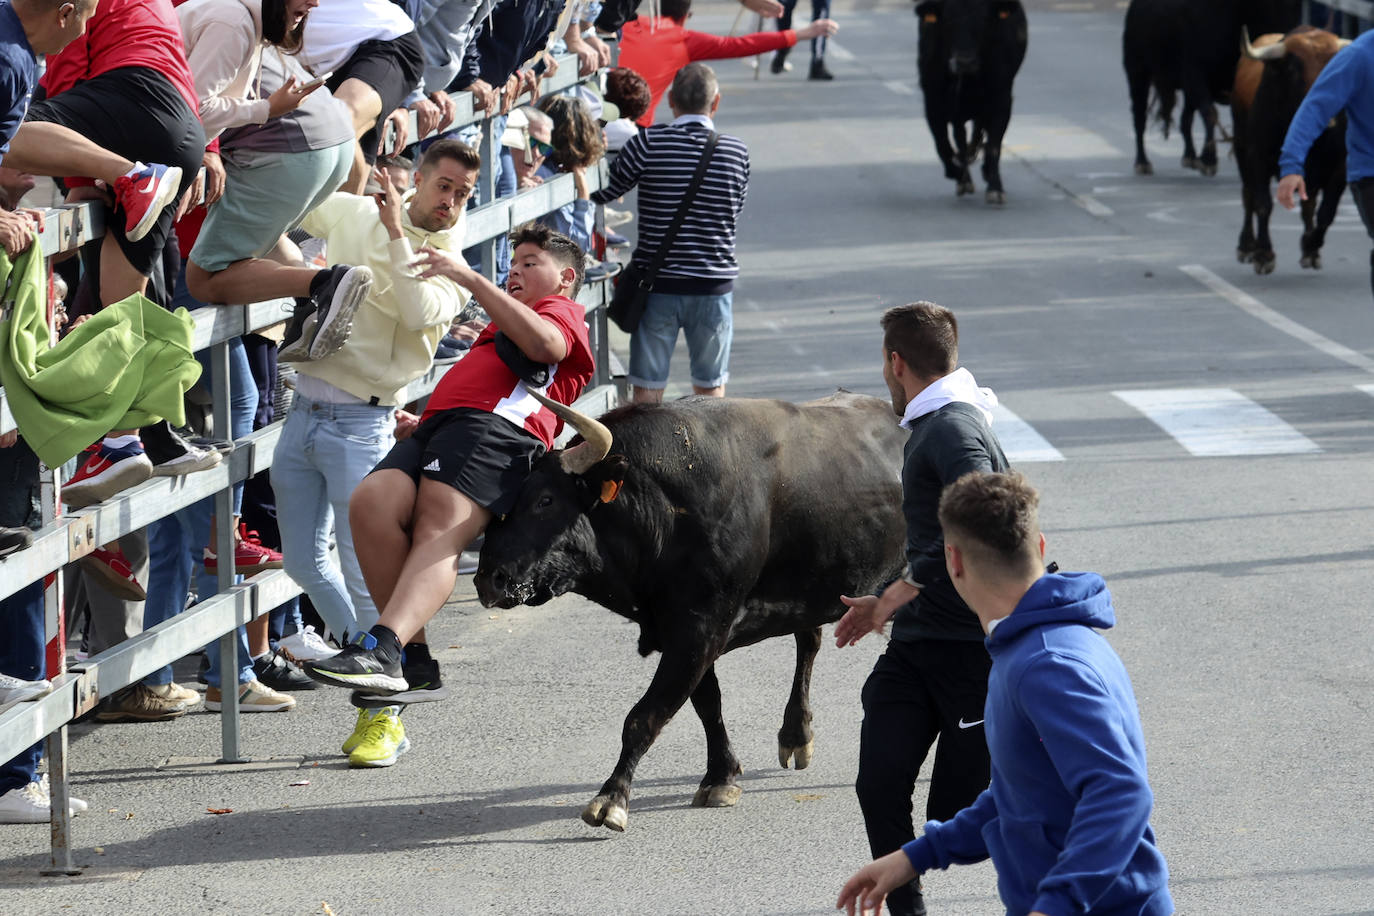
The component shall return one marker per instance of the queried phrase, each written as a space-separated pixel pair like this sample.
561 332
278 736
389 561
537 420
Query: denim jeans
708 324
175 543
22 647
324 452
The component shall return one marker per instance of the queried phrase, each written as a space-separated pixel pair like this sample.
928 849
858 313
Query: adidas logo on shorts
433 465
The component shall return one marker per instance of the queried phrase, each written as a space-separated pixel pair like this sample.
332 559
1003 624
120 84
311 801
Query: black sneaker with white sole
173 456
371 670
337 297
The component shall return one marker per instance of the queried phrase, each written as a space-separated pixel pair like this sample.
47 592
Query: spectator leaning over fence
281 169
435 492
341 420
577 145
820 9
374 60
1345 84
694 290
658 47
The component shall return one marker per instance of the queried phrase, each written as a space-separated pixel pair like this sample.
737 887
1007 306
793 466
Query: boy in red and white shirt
466 461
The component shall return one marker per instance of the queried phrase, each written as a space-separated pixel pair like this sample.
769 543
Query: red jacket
125 33
657 49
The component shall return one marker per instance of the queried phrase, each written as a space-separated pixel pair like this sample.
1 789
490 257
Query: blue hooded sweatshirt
1066 818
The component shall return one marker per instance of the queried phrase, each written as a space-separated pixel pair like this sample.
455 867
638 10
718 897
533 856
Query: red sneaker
143 194
112 568
105 472
250 556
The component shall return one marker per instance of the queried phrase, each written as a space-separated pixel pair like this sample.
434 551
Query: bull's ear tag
930 17
610 489
1004 14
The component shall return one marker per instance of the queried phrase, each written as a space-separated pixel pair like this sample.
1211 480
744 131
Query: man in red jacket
658 48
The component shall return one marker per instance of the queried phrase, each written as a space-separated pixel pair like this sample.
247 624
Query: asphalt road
1201 436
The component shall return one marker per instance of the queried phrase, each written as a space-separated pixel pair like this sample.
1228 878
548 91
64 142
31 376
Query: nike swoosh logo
963 724
148 188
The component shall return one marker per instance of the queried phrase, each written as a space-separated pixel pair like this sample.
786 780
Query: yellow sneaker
383 740
359 730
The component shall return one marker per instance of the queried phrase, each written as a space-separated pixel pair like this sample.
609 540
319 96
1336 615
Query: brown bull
1272 78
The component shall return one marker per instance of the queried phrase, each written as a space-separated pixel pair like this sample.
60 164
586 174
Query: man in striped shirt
693 290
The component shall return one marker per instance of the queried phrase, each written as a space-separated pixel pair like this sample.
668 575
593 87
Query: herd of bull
970 51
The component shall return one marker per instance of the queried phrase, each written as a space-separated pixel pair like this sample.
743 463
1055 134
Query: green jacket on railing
126 366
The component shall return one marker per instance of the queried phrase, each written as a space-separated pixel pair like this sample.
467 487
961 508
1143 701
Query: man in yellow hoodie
341 421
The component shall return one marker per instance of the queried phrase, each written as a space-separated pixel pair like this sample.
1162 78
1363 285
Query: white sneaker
75 804
306 646
14 690
32 804
254 696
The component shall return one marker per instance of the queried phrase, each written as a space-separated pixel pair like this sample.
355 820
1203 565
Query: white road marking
899 87
1367 389
1248 303
1216 422
1020 440
1093 205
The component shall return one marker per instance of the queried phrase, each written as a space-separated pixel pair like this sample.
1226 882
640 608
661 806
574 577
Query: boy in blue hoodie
1066 819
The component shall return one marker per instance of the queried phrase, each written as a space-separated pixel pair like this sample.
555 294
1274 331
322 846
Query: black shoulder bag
635 283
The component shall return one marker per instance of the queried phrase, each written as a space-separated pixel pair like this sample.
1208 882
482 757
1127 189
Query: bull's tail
1162 104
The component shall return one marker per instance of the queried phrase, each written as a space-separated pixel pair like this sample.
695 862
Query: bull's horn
596 437
1343 43
1269 52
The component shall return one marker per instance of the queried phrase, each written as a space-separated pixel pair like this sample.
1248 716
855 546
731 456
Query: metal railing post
224 550
487 179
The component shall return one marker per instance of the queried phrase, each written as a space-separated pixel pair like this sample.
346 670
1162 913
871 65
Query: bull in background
713 524
967 57
1272 79
1191 46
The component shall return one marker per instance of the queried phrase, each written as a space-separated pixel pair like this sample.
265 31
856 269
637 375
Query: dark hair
561 248
925 335
274 26
694 89
460 152
675 9
576 138
629 92
996 518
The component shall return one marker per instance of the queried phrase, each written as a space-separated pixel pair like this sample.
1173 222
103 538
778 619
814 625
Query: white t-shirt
335 29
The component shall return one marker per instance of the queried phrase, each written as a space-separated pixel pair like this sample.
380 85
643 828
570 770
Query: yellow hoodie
403 318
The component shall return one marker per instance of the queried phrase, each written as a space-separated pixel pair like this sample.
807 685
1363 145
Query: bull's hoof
1190 162
1207 168
965 186
996 198
716 797
1244 255
1264 262
1311 261
1144 168
605 811
802 755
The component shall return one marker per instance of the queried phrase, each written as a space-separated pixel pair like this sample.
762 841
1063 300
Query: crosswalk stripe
1019 439
1213 422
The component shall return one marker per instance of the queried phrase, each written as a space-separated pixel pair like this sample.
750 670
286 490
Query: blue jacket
1066 819
1347 82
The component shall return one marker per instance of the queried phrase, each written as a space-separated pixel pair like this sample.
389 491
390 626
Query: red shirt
657 49
125 33
481 380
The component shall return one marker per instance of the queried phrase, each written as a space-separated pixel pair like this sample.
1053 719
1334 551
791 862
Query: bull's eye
544 502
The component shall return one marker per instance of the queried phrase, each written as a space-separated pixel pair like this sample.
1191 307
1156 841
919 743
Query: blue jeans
705 320
324 452
22 649
175 543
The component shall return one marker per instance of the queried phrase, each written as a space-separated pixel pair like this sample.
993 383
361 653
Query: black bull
713 524
967 58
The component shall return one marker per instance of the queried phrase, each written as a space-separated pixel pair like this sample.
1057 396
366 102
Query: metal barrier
66 538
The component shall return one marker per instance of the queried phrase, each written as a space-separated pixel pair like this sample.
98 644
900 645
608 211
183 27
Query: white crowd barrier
65 538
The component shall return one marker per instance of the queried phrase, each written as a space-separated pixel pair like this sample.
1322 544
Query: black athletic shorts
481 455
393 68
136 113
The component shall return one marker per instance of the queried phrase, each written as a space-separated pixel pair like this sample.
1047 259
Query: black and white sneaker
279 674
360 669
12 539
424 680
300 333
336 302
173 456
